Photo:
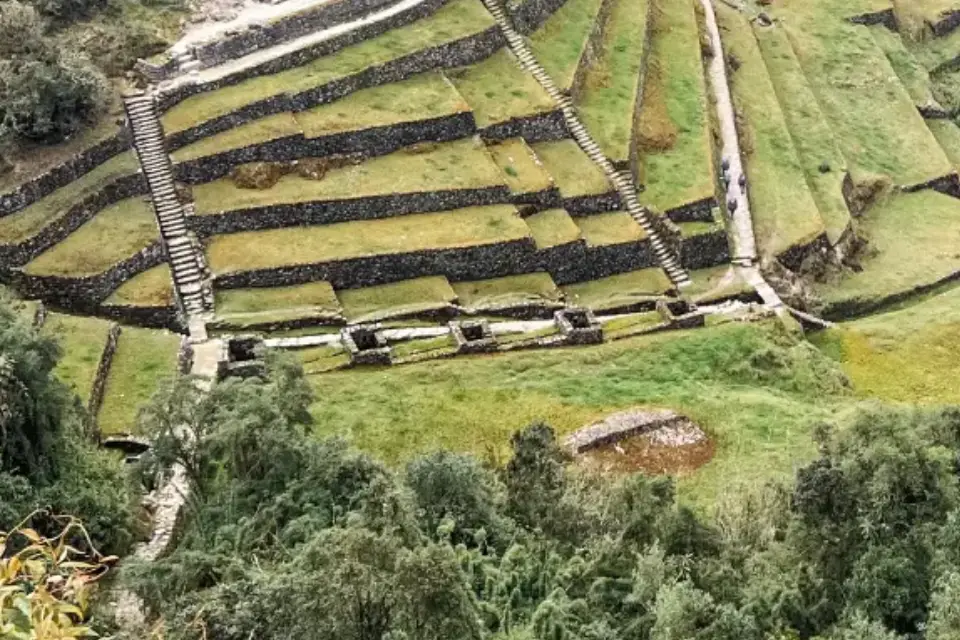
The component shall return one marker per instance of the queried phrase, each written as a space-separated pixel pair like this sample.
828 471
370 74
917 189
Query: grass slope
619 290
553 227
677 169
152 288
498 90
757 408
115 233
498 293
306 245
784 212
144 358
561 42
406 297
520 166
573 172
608 100
82 340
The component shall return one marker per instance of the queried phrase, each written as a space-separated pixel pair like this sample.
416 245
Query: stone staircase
183 251
666 255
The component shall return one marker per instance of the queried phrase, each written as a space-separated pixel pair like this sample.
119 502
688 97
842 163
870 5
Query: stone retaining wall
705 250
103 370
61 175
793 257
333 211
541 127
599 203
948 22
948 184
367 143
76 216
566 263
531 14
634 153
464 51
593 47
701 211
153 317
465 263
85 293
885 17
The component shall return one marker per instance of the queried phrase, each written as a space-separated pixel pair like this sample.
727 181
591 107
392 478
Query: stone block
366 345
473 336
578 326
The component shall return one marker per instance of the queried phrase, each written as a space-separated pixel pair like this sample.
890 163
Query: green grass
144 359
934 52
912 243
279 125
552 228
608 100
573 172
683 173
322 359
947 134
151 288
521 169
619 290
455 20
422 97
812 136
632 324
498 293
462 164
82 340
784 212
28 222
261 306
756 409
472 226
912 74
406 297
615 227
560 43
715 283
417 347
114 234
498 90
852 78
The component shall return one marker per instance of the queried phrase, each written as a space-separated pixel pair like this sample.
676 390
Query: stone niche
578 326
365 344
242 356
473 336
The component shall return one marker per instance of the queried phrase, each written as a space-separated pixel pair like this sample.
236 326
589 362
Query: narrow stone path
741 223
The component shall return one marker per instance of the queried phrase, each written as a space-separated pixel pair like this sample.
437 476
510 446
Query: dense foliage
291 537
47 460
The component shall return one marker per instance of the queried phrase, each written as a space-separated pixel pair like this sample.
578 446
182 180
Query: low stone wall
61 175
531 14
948 22
103 370
857 307
171 96
534 201
701 211
599 203
285 29
948 184
793 257
367 143
153 317
886 17
465 263
541 127
619 426
85 293
333 211
458 53
705 250
76 216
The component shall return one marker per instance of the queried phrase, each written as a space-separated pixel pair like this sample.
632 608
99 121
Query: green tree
944 620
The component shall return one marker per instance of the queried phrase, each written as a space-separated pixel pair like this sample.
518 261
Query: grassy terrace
152 288
676 154
248 307
809 130
619 290
608 100
455 20
552 228
462 164
143 359
853 78
498 90
715 283
784 212
497 293
947 134
82 340
912 74
615 227
561 42
935 52
279 125
467 227
475 403
573 172
912 243
407 297
26 223
520 167
322 359
116 233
